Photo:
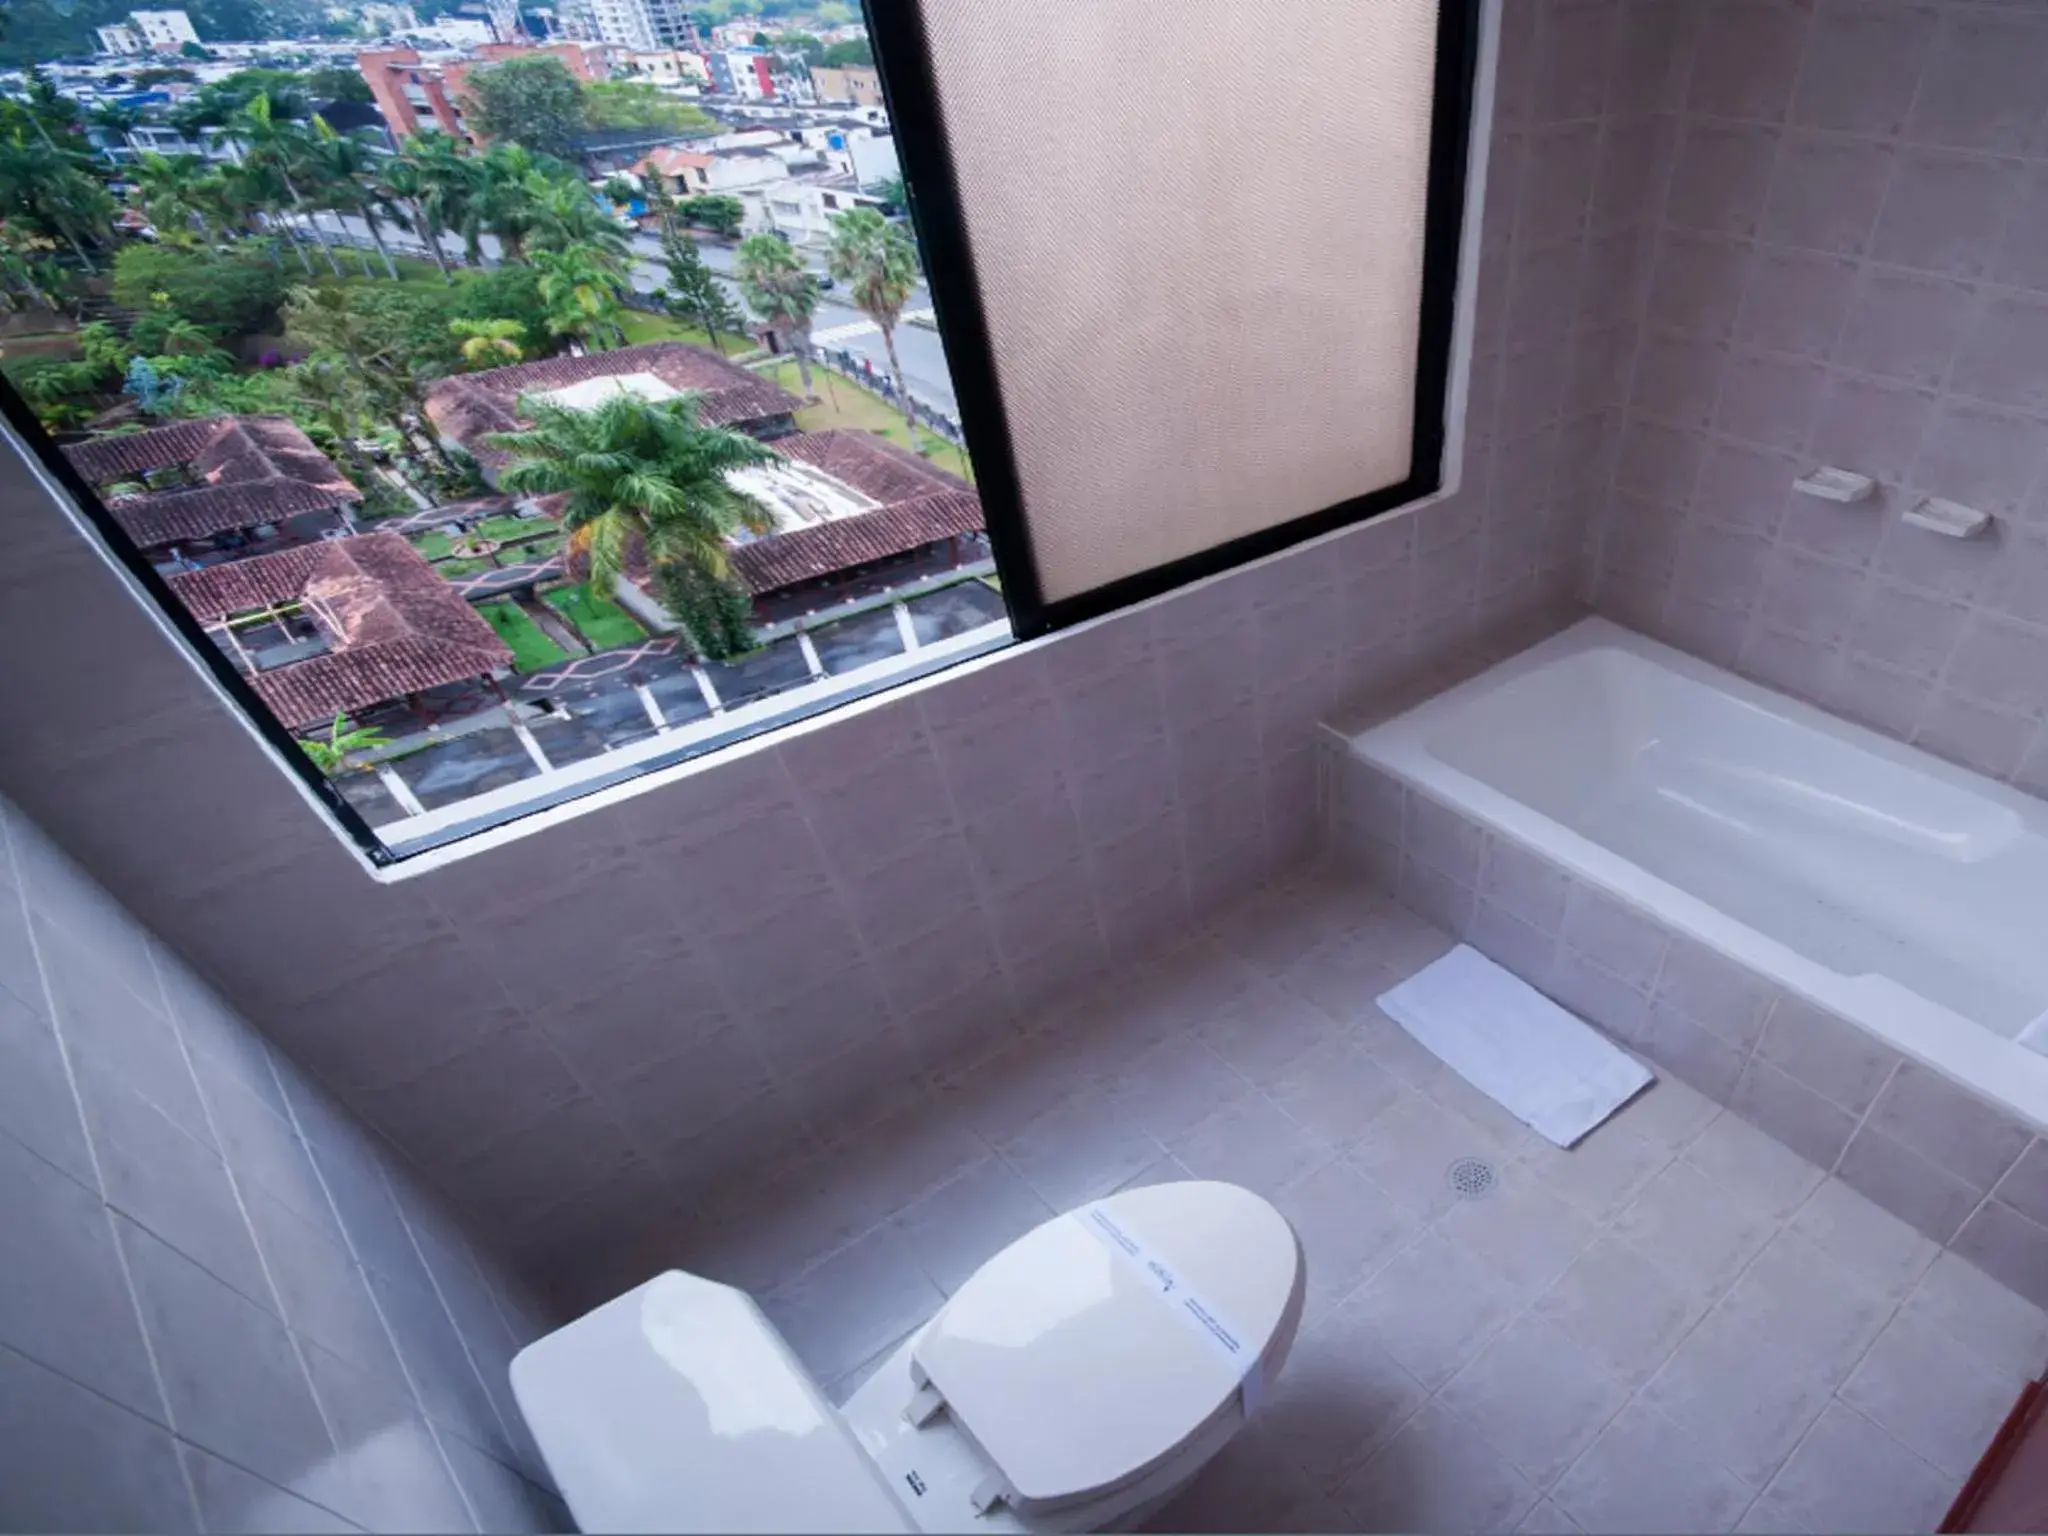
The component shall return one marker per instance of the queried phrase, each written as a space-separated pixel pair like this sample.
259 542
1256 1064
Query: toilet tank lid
1095 1346
677 1407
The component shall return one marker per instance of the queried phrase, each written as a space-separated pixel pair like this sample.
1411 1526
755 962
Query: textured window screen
1198 232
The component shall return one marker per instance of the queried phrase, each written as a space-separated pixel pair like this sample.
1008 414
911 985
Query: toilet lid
1094 1347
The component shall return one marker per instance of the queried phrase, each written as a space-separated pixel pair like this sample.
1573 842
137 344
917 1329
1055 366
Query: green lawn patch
598 619
842 403
450 569
434 544
531 649
641 328
512 530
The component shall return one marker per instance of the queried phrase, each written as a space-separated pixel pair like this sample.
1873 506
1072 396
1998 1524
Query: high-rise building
641 26
163 30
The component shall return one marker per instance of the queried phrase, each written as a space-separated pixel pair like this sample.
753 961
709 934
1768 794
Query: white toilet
1078 1380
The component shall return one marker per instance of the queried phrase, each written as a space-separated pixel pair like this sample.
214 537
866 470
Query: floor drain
1471 1178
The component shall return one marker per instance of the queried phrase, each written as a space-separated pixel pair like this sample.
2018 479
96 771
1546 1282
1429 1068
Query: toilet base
934 1471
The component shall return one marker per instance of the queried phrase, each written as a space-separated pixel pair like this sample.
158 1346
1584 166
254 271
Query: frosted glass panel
1198 231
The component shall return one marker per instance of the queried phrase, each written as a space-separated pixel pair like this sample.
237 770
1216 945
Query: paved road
923 358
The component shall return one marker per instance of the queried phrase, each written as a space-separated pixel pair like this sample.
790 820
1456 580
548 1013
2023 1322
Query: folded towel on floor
1548 1068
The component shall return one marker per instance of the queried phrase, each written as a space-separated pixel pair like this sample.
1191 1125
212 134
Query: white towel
1549 1069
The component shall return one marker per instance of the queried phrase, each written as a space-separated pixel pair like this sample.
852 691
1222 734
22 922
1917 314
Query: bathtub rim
1975 1057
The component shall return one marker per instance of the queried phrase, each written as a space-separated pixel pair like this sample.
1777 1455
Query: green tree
581 286
694 294
388 337
568 215
890 191
219 104
853 52
718 213
176 193
642 104
400 180
647 477
877 262
278 147
330 753
54 190
347 175
533 102
489 343
505 201
448 180
338 84
231 293
505 293
778 288
833 13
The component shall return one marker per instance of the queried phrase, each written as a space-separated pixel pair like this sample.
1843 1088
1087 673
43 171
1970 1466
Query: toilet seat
1100 1345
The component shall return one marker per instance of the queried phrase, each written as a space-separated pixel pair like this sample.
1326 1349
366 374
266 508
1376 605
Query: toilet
1076 1382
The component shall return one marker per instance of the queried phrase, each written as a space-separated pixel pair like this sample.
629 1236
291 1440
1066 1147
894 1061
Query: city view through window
517 398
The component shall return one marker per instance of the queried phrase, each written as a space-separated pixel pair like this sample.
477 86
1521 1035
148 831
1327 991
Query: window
348 412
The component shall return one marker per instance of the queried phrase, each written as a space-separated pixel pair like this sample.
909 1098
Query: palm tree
581 284
505 204
402 181
777 286
54 190
349 174
642 475
877 262
490 343
450 178
176 194
278 145
331 755
569 216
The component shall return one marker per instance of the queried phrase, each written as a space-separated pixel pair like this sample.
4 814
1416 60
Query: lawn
641 328
845 404
598 619
531 649
433 544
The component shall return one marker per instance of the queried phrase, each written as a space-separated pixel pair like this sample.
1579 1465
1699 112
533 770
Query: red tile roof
784 559
393 626
250 469
470 406
870 463
669 160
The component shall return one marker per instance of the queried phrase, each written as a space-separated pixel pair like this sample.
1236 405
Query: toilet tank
677 1407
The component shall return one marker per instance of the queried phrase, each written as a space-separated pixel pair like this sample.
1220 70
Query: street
835 324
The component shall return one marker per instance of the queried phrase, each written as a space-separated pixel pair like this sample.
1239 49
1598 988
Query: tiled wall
1851 267
581 1034
223 1306
1959 1171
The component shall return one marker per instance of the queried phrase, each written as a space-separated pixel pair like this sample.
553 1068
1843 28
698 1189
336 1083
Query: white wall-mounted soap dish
1831 484
1950 518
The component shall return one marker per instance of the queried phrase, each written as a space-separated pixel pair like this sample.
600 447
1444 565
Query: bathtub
1895 891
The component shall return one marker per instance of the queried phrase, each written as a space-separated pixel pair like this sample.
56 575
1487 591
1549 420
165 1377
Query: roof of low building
468 407
921 504
769 564
669 160
393 626
870 463
247 470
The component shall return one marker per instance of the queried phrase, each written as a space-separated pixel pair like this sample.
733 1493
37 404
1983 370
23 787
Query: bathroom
297 1160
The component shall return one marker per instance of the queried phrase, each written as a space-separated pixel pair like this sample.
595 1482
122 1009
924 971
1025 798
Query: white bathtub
1905 894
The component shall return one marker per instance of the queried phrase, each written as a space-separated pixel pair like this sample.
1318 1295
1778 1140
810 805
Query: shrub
232 293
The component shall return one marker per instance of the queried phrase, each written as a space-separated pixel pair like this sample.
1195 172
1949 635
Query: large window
500 418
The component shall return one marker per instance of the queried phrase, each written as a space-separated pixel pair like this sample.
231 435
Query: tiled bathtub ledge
1957 1170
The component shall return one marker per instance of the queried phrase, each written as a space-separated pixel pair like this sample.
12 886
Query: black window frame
909 87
